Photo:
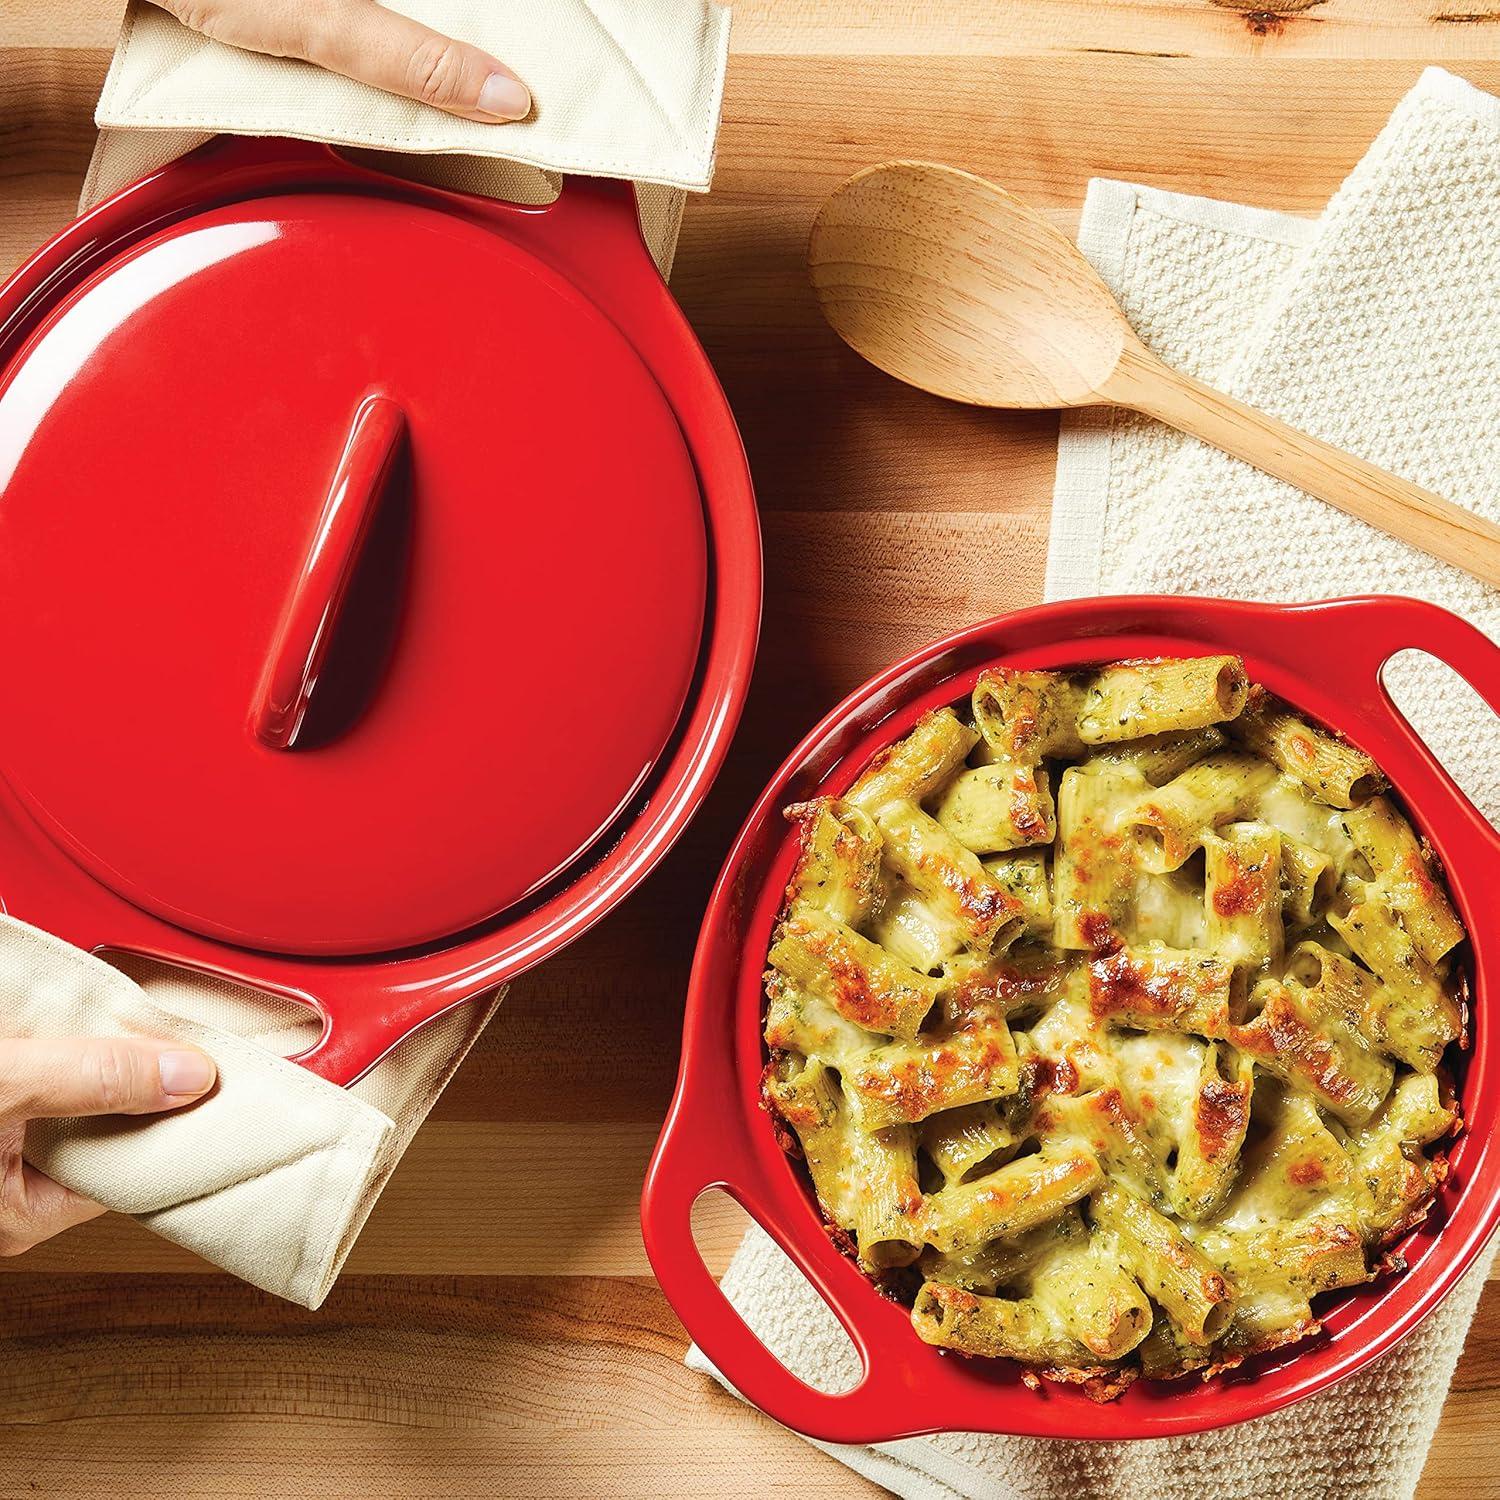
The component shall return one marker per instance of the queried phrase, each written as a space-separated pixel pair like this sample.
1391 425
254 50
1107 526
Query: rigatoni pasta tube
1315 1050
1133 699
1013 1198
1343 987
903 1082
1077 1306
964 1142
838 862
1308 882
1024 875
1087 1292
1007 1262
1092 887
797 1021
1304 1258
1183 1282
1155 987
1208 1151
915 767
1168 823
995 1327
1160 757
1397 1180
866 1180
1404 877
859 978
999 806
1242 894
1418 1016
1296 1162
885 1197
948 877
1334 772
1026 717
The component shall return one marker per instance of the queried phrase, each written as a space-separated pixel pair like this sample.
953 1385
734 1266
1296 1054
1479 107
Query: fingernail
504 97
185 1073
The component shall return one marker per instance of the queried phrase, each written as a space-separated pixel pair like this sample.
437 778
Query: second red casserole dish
1325 660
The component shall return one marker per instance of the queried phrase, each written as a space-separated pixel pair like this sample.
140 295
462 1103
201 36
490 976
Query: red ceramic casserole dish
1324 658
379 580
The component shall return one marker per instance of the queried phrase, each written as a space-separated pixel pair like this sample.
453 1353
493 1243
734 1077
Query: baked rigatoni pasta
1109 1012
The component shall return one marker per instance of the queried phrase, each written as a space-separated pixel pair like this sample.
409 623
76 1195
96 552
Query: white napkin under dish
273 1175
1378 328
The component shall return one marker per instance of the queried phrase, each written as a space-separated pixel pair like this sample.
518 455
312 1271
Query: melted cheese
1167 909
1286 805
1089 1085
909 928
1159 1078
1068 1033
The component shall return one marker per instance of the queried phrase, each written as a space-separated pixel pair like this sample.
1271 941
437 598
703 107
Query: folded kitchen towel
273 1175
622 88
1378 328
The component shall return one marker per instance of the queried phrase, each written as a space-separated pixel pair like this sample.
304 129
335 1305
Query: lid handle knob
300 644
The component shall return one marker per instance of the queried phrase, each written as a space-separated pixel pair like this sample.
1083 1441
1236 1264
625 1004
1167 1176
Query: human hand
363 40
60 1079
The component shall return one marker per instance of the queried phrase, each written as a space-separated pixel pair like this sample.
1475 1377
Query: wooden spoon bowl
954 285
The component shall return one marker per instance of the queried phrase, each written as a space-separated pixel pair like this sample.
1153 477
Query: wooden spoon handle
1426 521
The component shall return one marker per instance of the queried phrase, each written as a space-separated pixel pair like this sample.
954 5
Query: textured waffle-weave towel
273 1175
1379 329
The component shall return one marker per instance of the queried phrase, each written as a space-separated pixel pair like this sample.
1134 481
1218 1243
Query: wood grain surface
497 1333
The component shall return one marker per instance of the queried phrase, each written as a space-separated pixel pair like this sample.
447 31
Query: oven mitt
622 88
273 1173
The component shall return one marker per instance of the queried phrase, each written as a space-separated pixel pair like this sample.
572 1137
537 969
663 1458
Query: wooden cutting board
497 1331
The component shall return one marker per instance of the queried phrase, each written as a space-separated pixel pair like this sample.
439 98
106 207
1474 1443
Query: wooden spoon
952 284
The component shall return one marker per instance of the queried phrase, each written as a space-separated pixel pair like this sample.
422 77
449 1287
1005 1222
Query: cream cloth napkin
1379 329
274 1174
622 88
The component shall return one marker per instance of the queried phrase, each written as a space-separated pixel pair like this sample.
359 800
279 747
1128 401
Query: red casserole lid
1325 658
355 550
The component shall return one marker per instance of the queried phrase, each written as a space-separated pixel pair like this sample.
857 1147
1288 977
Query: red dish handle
365 1013
590 231
694 1158
360 1028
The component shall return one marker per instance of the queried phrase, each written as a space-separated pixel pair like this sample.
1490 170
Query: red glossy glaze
299 648
539 609
374 710
1325 658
